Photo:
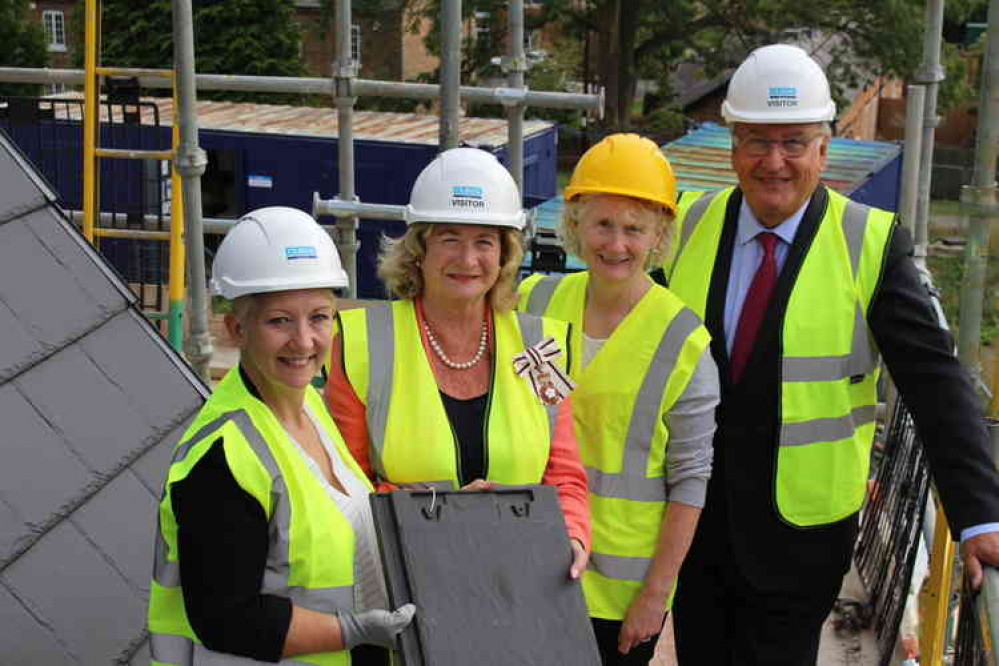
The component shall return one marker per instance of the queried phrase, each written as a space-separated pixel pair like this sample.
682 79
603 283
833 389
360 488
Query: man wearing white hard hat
266 549
804 292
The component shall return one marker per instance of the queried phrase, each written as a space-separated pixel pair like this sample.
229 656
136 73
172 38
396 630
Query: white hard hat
778 84
275 249
465 186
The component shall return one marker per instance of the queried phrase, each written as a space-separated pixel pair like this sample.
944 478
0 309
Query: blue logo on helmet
293 252
467 191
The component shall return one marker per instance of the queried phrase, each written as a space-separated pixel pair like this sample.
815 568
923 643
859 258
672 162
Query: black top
222 532
468 421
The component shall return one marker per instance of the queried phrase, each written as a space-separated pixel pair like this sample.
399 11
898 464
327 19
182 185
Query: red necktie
755 305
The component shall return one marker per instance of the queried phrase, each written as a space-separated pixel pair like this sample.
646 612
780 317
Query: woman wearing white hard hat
647 389
447 385
265 547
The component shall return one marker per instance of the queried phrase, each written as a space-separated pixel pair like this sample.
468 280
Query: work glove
374 627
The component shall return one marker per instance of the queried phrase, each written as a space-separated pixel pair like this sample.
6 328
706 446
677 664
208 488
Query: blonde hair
400 258
657 216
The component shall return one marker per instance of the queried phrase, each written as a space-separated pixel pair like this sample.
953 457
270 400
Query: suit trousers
721 618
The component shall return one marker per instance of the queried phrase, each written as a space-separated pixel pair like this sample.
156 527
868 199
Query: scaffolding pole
450 73
978 203
153 78
190 163
516 66
929 74
344 71
909 198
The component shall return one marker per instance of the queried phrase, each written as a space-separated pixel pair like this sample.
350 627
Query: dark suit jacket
740 516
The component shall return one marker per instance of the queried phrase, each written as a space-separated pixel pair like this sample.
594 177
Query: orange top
564 469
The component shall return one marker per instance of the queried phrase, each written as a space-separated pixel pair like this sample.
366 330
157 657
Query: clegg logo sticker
293 252
469 197
782 97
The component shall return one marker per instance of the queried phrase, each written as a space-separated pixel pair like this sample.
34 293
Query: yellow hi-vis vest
310 558
411 438
829 364
618 407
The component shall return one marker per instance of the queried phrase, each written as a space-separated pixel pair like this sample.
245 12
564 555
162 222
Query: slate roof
91 402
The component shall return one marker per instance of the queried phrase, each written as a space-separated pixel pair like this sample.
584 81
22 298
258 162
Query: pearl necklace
439 351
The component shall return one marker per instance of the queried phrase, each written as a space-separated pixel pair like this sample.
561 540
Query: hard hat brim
732 115
572 192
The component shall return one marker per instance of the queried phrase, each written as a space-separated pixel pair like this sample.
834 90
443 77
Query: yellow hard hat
625 164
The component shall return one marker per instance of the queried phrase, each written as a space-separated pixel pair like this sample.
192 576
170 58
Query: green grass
945 207
948 274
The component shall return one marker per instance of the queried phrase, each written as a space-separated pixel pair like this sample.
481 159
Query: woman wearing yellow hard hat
646 389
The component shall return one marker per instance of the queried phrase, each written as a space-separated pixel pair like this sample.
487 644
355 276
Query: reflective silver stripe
693 217
854 228
632 483
182 651
532 331
862 359
171 649
323 600
381 359
619 567
645 413
181 451
639 489
826 429
166 572
814 368
541 294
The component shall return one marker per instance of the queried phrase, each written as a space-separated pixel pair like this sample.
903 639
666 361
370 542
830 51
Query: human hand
977 551
580 557
643 620
480 484
374 627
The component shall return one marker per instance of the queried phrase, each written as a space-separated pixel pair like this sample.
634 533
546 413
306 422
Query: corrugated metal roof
311 121
91 402
701 160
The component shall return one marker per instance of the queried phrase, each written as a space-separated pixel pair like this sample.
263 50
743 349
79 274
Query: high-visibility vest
829 365
311 554
411 437
619 403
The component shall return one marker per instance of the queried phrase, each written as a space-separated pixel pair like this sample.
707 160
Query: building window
355 43
55 30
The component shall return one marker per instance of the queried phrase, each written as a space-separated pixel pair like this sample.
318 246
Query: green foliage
557 72
948 275
664 124
861 39
24 43
245 37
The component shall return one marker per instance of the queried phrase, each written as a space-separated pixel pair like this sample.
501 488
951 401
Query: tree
859 38
244 37
23 43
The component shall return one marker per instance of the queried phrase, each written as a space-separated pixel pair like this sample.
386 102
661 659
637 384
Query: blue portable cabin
264 155
867 171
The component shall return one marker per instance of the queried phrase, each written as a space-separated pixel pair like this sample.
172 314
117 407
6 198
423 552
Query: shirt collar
749 227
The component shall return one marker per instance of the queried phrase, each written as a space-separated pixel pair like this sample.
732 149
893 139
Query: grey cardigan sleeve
691 424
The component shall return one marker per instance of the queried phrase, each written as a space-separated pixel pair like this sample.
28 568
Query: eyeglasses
758 146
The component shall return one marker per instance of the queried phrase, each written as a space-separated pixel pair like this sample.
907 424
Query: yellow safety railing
93 152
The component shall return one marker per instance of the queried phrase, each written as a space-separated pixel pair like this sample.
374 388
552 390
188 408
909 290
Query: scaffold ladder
93 153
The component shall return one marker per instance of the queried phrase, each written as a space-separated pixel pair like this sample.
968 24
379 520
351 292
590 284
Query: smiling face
462 262
616 236
774 182
284 336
